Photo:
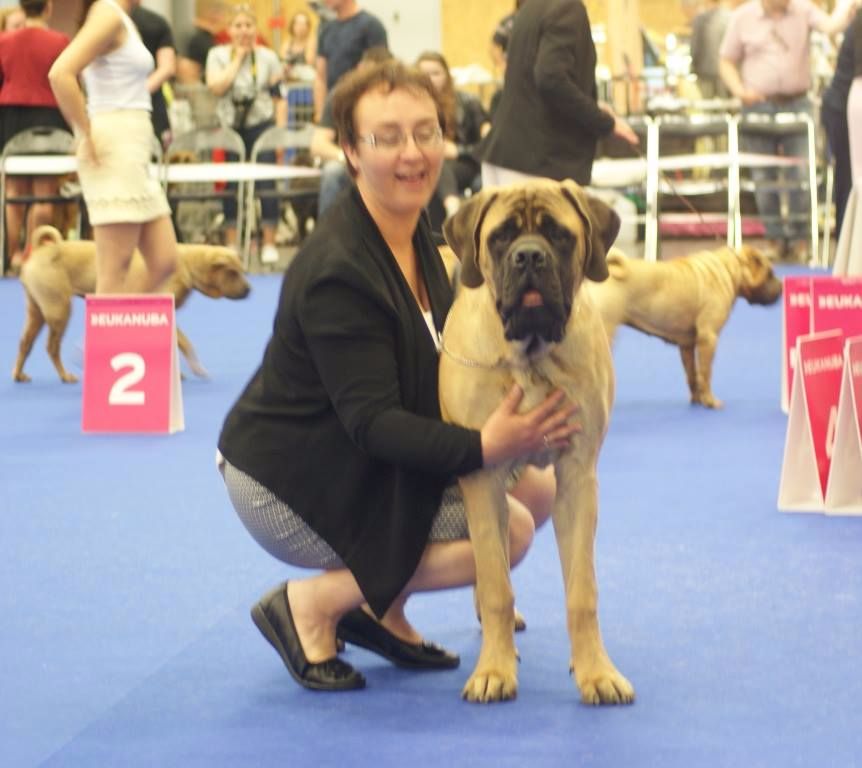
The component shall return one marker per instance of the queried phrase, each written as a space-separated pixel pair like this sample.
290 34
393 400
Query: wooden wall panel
267 9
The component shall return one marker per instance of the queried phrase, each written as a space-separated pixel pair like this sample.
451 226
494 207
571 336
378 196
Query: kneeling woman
335 455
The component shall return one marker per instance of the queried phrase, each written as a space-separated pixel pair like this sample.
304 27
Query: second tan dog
58 270
686 302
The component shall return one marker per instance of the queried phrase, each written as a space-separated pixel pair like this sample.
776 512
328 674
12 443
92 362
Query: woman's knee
159 248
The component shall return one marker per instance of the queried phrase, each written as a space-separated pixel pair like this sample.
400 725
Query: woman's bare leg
159 247
15 187
317 603
115 244
42 213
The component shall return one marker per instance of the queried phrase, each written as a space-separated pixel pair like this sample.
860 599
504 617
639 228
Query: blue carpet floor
126 581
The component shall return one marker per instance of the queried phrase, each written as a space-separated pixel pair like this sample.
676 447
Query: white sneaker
269 254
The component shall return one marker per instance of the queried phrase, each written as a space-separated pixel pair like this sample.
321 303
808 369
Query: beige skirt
118 188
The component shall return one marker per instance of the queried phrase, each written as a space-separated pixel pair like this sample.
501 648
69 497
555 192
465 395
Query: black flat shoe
273 618
358 628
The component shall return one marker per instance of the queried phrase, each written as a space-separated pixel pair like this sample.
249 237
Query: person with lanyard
245 76
335 456
765 63
126 205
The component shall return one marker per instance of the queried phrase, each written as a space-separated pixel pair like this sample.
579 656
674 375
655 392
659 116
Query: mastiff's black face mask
534 279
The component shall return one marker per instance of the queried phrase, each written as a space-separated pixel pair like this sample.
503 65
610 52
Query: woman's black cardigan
342 420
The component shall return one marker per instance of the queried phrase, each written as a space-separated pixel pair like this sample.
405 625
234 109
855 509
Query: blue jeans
797 225
334 177
269 205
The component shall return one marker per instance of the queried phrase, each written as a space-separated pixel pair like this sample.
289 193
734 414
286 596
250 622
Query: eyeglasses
393 139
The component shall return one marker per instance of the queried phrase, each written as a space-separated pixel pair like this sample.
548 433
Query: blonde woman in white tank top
127 207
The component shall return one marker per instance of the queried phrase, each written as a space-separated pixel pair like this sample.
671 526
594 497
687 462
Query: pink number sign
131 377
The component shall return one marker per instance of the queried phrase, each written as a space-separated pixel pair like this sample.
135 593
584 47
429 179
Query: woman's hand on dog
508 434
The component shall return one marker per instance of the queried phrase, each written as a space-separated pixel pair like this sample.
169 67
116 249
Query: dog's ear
755 266
603 226
462 232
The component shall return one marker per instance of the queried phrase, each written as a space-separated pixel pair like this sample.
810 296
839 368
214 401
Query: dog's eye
503 236
558 236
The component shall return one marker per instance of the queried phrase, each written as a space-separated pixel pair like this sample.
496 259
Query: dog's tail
45 234
618 266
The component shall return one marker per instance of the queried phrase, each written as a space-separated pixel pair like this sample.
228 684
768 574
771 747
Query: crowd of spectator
767 71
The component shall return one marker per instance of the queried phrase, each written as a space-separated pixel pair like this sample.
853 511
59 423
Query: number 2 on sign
121 393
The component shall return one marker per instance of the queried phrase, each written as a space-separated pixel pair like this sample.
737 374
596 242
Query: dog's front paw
485 686
604 686
69 378
21 377
707 400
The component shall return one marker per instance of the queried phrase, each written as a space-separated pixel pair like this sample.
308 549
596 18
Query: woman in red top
26 101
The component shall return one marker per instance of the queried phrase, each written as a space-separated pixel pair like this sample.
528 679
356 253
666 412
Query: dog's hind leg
495 676
190 355
32 325
58 320
575 518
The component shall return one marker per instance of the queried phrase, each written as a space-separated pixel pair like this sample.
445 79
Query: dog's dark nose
529 256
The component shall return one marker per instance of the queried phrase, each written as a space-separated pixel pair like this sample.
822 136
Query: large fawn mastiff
519 317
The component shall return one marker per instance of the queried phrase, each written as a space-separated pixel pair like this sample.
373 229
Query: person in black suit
335 456
549 121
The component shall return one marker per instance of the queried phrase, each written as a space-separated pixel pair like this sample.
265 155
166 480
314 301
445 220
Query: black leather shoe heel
358 628
273 618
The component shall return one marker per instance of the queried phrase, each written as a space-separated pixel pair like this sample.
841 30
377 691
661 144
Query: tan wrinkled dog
685 301
58 270
519 316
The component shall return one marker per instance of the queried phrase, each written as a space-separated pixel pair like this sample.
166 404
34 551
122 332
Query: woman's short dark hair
388 76
33 8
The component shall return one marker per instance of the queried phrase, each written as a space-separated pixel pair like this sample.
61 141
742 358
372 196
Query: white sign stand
801 488
844 489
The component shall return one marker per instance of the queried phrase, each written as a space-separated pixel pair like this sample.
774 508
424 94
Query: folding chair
286 146
206 146
38 141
